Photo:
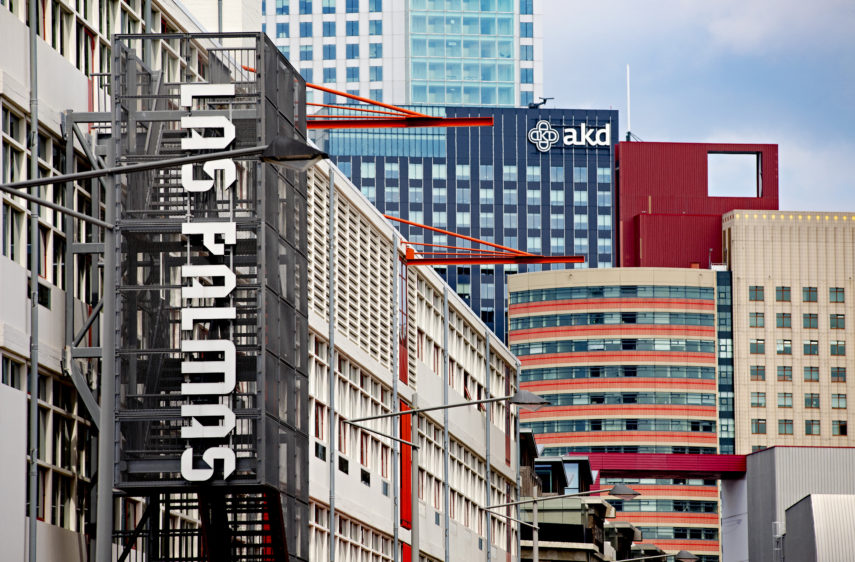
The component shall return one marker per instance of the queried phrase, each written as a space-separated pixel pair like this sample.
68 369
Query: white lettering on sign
209 365
543 136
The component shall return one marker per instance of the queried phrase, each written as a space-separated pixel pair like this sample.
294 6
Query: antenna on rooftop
628 125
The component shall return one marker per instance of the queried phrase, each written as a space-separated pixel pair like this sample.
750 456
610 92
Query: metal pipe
535 556
487 422
386 435
89 321
432 408
517 462
34 286
414 477
396 491
219 16
147 44
445 443
331 354
34 200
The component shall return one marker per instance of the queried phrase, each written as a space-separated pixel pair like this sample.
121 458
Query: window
352 73
351 6
838 427
526 29
329 74
782 294
785 373
351 51
838 374
376 94
533 221
838 347
783 320
509 173
375 50
306 29
305 6
368 170
811 400
580 198
755 320
352 28
758 399
328 7
306 52
532 173
439 171
526 7
758 426
392 171
580 174
329 28
810 321
375 27
811 347
838 401
811 374
755 293
485 196
556 198
375 73
416 171
282 30
463 171
785 427
604 199
485 172
526 52
809 294
375 5
282 7
758 372
785 399
836 294
526 76
329 52
811 427
837 321
532 197
556 174
307 74
784 347
556 221
757 346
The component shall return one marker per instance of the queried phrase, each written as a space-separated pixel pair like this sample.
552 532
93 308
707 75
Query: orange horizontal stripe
634 383
676 491
618 330
620 437
607 356
672 518
628 304
694 546
594 410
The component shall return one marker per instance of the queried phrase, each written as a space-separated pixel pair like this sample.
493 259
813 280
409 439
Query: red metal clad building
666 215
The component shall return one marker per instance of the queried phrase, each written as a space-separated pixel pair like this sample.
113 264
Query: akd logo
543 136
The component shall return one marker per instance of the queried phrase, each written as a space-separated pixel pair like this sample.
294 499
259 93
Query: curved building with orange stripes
629 359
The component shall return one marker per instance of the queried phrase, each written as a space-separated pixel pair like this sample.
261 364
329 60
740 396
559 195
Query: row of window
785 400
595 318
690 506
612 291
635 449
375 74
328 28
695 533
757 293
812 427
785 373
486 197
785 347
328 51
620 424
624 344
283 7
454 24
616 371
486 172
809 320
580 399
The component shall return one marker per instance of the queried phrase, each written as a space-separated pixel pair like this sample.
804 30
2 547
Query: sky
754 71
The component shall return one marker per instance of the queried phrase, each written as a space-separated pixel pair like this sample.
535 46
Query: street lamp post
621 491
521 398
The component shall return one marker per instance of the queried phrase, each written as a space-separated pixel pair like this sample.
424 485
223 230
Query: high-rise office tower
440 52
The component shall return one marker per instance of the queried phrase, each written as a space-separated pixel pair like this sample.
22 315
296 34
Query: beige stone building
794 309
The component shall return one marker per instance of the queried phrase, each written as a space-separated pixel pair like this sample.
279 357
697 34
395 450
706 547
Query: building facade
550 196
629 358
793 308
665 188
456 52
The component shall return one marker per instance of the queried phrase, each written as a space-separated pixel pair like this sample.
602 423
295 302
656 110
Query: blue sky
771 71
